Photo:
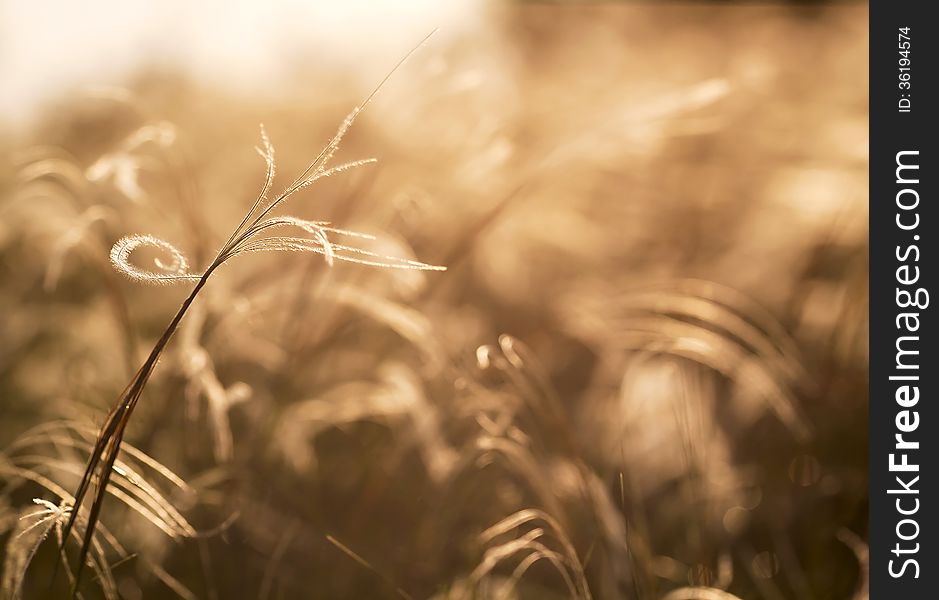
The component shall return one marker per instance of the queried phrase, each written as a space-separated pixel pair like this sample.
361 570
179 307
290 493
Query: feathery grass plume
248 236
50 449
52 453
175 270
33 527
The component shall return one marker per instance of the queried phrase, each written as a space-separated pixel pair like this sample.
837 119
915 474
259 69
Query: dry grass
643 374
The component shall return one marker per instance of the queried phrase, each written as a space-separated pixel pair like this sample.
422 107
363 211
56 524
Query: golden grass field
641 375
